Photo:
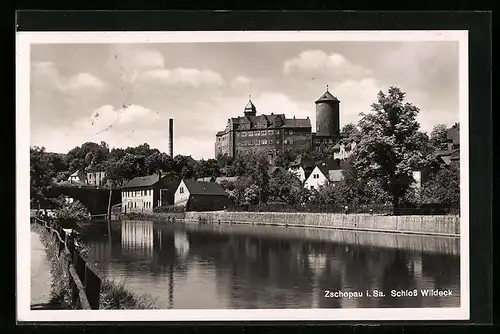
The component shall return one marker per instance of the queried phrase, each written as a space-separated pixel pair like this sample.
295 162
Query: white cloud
182 76
317 62
45 75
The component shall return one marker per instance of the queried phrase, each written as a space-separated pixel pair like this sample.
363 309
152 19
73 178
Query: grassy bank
113 295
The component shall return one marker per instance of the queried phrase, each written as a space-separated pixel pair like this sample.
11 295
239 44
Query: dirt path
40 273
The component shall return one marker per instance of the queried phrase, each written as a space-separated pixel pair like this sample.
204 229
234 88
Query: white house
316 179
417 176
322 174
299 172
142 194
78 177
343 149
201 196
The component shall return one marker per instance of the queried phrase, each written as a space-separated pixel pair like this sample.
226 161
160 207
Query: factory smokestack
171 137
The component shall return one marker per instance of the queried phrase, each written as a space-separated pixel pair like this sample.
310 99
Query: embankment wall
447 225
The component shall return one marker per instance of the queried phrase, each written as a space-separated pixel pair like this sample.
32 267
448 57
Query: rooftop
327 96
204 188
142 181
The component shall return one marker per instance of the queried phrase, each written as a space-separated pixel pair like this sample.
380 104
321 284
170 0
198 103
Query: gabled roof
326 166
327 96
80 174
226 178
220 133
204 188
205 179
142 181
274 169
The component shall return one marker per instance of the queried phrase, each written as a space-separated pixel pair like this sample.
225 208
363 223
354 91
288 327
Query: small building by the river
201 196
143 193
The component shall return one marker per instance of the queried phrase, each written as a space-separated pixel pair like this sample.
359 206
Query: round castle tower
327 115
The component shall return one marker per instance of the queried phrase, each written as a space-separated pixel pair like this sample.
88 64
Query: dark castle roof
204 188
327 96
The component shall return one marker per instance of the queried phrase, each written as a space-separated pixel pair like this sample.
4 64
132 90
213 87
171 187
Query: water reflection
236 266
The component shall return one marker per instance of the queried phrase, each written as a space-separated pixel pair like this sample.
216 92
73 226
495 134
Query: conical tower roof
327 96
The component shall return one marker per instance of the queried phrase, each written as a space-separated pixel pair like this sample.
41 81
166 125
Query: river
200 266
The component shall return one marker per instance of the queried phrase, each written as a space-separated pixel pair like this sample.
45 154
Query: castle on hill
276 133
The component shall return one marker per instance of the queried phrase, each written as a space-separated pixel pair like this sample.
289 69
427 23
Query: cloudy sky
124 94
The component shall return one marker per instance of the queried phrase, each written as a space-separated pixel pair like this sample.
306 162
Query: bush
169 209
72 211
115 296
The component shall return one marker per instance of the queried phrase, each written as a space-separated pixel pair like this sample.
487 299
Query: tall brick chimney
171 137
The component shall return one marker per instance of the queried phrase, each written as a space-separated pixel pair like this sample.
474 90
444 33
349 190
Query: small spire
249 97
327 87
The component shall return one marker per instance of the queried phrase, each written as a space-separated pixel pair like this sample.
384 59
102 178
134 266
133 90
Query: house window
270 132
181 190
316 176
243 134
263 133
270 141
264 142
250 134
277 132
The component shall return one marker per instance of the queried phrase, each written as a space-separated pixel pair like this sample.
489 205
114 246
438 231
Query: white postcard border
23 277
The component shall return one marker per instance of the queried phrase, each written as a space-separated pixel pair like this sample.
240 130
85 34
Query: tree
42 174
388 153
207 168
281 186
350 130
439 137
443 187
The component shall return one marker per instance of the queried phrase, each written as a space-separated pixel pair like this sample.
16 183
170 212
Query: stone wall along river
431 225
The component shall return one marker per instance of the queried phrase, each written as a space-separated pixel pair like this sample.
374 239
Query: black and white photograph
243 175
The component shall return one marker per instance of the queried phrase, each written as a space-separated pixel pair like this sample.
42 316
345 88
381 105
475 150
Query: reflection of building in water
137 236
317 262
181 243
415 266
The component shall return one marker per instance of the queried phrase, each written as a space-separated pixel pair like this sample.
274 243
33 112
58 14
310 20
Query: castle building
275 133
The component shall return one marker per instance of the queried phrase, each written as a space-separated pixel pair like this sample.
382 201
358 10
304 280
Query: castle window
290 141
270 132
264 142
257 142
243 134
250 134
263 133
270 141
290 132
218 139
317 127
277 142
250 142
237 134
285 141
277 132
308 135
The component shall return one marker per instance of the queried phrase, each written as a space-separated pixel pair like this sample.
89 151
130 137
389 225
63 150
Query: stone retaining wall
432 225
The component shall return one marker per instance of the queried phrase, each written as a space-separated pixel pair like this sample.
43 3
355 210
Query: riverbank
113 295
425 225
439 225
40 273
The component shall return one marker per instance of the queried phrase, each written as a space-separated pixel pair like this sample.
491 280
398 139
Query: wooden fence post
92 287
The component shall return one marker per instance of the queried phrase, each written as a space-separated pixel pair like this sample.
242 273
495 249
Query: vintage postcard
315 175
